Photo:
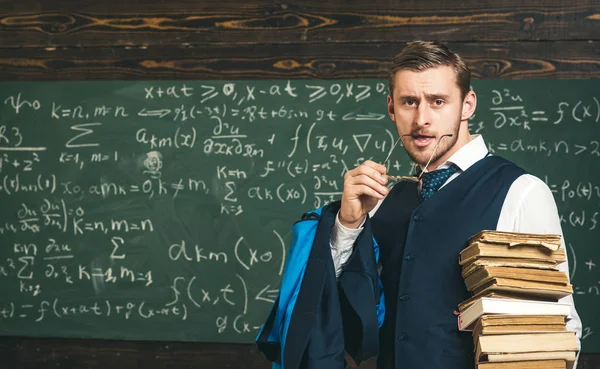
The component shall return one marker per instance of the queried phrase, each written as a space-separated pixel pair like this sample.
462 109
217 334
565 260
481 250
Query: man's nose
423 117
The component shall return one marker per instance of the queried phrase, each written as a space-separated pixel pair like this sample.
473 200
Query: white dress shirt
529 207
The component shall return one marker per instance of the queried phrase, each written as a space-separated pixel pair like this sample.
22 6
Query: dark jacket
315 318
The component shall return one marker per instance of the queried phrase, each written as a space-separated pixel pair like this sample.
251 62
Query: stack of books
514 312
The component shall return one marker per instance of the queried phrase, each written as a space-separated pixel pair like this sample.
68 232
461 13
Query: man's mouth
422 140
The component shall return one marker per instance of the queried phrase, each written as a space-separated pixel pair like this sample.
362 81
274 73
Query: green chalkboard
161 210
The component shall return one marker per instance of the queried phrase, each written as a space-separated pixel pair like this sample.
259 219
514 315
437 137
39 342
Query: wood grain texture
43 353
516 60
20 353
200 23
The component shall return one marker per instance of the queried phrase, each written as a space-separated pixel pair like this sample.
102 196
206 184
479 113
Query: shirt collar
467 155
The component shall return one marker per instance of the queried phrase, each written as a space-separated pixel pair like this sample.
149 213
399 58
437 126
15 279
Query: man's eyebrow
408 97
437 96
428 96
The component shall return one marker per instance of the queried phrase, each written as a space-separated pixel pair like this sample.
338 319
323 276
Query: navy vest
422 281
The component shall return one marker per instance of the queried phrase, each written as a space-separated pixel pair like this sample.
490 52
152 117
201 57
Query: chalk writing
126 205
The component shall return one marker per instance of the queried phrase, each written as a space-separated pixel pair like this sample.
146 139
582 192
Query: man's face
429 104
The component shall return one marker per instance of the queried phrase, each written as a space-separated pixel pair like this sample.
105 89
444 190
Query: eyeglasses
412 178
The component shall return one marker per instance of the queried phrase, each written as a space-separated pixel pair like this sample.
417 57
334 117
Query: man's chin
420 158
420 163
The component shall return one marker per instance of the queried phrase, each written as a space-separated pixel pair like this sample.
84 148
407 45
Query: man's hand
364 186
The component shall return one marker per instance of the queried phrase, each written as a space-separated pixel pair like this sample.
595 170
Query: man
421 229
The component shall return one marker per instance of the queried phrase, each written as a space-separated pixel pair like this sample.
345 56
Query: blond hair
420 55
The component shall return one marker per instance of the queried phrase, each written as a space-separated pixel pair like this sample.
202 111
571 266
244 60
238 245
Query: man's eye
409 102
439 102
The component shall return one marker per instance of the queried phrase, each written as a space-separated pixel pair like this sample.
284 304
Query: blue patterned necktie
432 181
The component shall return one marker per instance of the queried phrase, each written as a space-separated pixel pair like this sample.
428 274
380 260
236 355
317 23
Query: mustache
416 135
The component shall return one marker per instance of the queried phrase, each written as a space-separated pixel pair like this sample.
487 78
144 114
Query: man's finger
366 190
378 167
370 172
370 182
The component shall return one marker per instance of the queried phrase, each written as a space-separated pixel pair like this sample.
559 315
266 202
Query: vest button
402 337
409 257
417 218
405 297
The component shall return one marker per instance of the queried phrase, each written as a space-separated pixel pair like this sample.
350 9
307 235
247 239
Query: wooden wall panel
516 60
44 353
134 23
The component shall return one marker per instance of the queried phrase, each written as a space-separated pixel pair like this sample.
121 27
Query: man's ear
390 107
469 105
